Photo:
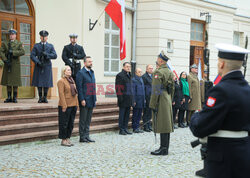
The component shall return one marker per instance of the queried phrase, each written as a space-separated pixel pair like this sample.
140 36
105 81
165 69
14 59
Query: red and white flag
116 10
169 65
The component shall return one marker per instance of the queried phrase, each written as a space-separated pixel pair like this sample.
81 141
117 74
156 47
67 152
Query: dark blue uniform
73 52
43 79
227 108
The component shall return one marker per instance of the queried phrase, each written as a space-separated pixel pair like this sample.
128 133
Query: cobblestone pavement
112 155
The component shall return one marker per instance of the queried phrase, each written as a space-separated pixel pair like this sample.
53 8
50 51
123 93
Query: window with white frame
236 38
111 47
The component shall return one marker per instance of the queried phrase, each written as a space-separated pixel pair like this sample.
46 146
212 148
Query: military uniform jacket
161 100
124 90
227 108
194 91
12 78
67 56
147 80
43 79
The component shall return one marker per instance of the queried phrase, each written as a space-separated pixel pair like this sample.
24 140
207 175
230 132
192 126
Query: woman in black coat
177 99
184 87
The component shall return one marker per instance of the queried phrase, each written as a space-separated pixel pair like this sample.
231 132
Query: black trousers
66 121
165 138
181 115
84 121
175 110
124 113
147 115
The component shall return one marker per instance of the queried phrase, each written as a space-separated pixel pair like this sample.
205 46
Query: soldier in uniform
224 119
41 55
72 54
194 90
161 103
10 53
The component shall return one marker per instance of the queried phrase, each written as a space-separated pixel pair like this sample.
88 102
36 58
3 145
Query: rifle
9 57
245 61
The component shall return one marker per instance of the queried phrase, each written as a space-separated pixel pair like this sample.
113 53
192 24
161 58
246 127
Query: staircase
25 123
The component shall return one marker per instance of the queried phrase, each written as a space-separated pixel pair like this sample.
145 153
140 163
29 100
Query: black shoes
122 132
127 132
161 151
14 97
89 140
138 131
86 140
201 173
42 100
181 125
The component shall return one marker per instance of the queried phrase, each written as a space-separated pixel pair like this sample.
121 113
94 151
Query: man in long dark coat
10 53
41 55
72 54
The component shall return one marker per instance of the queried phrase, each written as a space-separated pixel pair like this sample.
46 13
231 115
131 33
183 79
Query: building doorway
197 43
19 14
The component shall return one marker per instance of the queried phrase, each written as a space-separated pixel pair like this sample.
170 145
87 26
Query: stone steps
25 123
45 135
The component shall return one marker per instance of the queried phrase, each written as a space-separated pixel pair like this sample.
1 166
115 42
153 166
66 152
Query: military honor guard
194 92
10 53
41 55
224 120
72 54
161 103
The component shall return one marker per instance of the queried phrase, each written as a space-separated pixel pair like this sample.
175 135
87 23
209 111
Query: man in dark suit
72 54
86 87
139 100
224 120
123 86
147 113
41 55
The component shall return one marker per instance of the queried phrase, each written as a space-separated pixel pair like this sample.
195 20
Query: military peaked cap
43 33
12 31
73 35
163 55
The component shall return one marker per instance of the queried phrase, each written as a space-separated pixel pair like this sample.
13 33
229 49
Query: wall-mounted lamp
208 16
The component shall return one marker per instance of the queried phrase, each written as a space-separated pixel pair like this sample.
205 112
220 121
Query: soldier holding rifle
72 54
161 103
10 53
41 55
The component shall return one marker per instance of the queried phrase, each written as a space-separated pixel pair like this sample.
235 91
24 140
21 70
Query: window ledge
110 74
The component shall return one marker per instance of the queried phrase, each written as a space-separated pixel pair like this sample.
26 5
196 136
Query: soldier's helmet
163 55
73 35
12 31
43 33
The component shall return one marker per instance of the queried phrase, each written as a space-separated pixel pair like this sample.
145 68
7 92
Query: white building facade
175 25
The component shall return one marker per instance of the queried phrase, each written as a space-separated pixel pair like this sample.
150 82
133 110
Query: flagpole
92 25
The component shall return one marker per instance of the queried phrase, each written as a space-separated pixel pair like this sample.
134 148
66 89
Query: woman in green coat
10 53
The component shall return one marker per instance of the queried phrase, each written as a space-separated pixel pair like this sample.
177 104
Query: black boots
14 97
9 99
163 150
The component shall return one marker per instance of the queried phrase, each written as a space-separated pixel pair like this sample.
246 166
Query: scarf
72 85
185 87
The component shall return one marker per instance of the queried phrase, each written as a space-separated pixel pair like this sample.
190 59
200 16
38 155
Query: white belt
226 134
229 134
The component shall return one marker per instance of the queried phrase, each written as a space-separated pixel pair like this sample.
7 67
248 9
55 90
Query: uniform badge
211 101
156 76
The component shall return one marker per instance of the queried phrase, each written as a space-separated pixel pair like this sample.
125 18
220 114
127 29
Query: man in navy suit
147 113
41 55
86 87
224 120
139 100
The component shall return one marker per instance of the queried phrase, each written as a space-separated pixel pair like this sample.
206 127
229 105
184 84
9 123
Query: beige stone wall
163 20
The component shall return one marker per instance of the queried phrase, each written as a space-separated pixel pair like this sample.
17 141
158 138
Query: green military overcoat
12 78
161 100
194 91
